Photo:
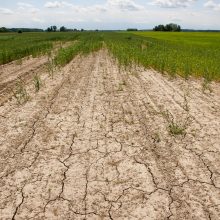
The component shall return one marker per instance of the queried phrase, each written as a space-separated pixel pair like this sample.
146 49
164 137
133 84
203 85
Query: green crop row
86 44
184 54
7 56
16 46
172 57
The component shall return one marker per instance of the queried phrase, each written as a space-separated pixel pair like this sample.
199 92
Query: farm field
183 53
15 46
93 126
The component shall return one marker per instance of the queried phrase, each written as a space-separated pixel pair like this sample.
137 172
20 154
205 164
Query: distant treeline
132 29
62 29
168 27
49 29
5 30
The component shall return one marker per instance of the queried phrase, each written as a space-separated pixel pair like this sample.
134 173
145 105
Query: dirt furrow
24 70
13 72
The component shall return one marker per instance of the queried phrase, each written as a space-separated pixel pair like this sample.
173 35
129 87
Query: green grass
15 46
185 54
87 42
191 38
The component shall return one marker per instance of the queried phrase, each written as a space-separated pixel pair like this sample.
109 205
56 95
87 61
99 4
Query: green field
15 46
185 54
190 38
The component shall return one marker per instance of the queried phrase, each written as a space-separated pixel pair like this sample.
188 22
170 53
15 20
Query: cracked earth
94 143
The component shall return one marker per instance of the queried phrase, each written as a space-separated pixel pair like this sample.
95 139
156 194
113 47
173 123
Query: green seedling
174 127
37 83
20 93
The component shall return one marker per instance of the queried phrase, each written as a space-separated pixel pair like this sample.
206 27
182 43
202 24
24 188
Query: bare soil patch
97 142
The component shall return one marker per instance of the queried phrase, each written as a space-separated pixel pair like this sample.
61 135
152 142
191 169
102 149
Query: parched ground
95 143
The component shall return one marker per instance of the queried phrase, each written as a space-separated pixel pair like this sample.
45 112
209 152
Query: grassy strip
16 46
87 43
183 54
173 57
7 56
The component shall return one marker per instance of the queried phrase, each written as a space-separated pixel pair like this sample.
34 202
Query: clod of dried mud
95 143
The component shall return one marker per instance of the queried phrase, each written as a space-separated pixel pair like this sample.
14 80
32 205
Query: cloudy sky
110 14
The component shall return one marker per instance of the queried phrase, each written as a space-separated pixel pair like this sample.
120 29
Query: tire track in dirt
23 70
12 73
93 144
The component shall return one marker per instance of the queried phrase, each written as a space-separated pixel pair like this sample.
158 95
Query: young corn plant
37 83
20 93
175 127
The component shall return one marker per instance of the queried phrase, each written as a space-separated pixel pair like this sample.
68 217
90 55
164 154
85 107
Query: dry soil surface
96 143
9 74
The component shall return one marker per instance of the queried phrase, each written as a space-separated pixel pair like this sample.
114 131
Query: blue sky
110 14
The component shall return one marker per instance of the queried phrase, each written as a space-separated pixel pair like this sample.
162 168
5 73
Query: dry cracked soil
100 142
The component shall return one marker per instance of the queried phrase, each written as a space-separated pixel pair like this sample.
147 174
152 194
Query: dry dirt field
97 142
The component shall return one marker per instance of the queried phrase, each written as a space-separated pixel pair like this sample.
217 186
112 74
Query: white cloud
24 5
175 19
112 14
38 20
97 20
76 20
173 3
58 4
63 4
6 11
128 5
213 5
100 8
34 10
66 4
123 5
55 4
26 8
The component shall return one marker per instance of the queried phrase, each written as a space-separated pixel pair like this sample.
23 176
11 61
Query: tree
132 29
49 29
3 29
159 28
20 31
54 28
169 27
63 29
